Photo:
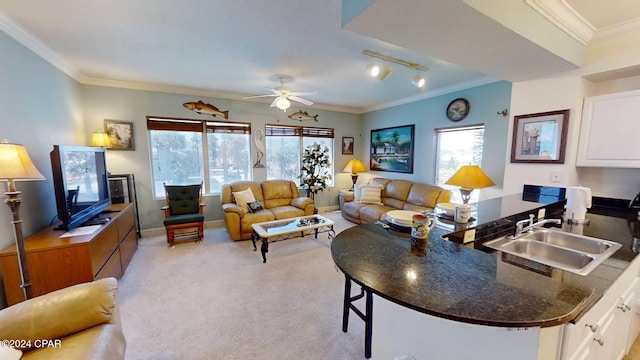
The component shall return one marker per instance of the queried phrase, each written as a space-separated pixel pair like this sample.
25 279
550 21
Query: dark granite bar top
458 282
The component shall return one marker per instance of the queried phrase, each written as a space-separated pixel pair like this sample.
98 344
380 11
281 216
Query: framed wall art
347 145
120 134
392 149
540 137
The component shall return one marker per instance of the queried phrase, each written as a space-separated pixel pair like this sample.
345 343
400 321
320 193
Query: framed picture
347 145
540 138
120 134
392 149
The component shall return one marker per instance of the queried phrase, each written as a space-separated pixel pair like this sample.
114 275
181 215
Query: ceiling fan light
373 69
386 71
418 81
283 103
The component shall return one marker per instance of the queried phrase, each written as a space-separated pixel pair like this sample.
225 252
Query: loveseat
369 202
273 200
77 322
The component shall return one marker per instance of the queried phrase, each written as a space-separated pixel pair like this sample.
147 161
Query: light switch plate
469 236
556 176
541 213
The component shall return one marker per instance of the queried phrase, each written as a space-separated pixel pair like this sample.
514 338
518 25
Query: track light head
418 81
386 71
373 69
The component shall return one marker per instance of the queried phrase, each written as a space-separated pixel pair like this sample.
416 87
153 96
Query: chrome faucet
521 228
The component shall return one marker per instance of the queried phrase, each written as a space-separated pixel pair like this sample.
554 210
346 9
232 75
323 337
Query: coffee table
289 228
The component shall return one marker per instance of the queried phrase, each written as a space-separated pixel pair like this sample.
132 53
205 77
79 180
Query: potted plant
314 173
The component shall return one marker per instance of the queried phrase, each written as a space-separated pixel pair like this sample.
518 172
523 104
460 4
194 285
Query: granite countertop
457 282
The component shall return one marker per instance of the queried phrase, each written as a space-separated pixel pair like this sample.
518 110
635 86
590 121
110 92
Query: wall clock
458 109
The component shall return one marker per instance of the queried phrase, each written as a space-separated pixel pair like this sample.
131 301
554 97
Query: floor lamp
15 165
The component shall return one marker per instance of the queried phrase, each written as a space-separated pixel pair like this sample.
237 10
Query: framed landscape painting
392 149
540 137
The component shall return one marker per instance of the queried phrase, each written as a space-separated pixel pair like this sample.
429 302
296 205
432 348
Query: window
285 145
455 147
183 151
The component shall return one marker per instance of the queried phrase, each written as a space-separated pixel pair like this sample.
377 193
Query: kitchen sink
575 253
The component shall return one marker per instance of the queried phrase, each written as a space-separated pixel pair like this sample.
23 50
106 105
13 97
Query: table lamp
101 139
354 167
15 165
469 177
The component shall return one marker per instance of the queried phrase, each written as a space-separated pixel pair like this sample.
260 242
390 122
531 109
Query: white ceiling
231 49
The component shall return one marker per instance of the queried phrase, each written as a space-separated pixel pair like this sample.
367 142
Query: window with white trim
184 150
457 146
285 145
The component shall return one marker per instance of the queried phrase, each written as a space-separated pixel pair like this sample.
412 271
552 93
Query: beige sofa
280 199
395 195
77 322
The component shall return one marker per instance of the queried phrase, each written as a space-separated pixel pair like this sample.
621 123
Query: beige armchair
77 322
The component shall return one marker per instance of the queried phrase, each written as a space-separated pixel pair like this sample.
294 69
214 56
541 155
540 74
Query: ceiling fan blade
273 104
301 100
303 93
257 96
274 91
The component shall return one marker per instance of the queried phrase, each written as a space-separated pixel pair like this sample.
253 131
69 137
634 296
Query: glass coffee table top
287 226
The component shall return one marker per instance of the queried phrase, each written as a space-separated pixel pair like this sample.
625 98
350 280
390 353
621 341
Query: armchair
184 219
78 322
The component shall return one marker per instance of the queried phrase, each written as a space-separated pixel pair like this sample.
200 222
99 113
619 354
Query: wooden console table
55 263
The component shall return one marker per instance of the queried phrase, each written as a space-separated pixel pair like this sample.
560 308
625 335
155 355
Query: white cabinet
609 131
606 331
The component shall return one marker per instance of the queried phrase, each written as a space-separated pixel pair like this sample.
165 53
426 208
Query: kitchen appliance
578 201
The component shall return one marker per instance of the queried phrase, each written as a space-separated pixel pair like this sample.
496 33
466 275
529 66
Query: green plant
314 172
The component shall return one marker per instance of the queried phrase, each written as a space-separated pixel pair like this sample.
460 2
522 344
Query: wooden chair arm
167 213
202 205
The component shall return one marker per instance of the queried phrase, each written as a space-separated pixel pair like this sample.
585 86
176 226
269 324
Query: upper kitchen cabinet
610 131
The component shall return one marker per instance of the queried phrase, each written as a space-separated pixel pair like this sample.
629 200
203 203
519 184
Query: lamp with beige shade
15 165
469 177
354 166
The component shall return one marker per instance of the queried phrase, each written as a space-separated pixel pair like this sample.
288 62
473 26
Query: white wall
559 93
39 107
100 103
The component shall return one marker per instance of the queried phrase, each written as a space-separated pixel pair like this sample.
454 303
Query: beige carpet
217 300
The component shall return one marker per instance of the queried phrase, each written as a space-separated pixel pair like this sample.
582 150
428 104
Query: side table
345 196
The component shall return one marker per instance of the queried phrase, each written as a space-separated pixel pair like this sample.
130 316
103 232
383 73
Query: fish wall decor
203 108
303 115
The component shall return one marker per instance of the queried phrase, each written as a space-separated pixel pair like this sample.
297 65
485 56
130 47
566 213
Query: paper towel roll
578 201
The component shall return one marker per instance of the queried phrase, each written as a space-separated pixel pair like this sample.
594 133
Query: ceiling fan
283 95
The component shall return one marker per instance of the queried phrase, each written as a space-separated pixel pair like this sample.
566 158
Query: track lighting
382 73
386 71
373 69
418 81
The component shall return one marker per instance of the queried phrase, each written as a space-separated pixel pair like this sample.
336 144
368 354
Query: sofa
369 202
77 322
273 200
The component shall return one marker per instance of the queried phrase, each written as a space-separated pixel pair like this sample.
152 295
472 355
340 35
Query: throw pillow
255 206
368 194
9 353
243 198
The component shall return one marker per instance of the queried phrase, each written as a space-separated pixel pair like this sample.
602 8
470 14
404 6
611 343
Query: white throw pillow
368 194
243 198
9 353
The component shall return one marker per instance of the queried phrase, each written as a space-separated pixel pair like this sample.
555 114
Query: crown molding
564 17
617 30
430 94
32 43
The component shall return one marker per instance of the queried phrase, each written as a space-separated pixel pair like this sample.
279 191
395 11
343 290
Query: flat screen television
81 184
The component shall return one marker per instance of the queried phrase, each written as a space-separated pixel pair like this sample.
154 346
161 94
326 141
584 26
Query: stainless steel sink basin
571 241
571 252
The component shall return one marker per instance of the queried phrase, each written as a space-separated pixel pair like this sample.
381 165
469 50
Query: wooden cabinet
55 263
609 131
